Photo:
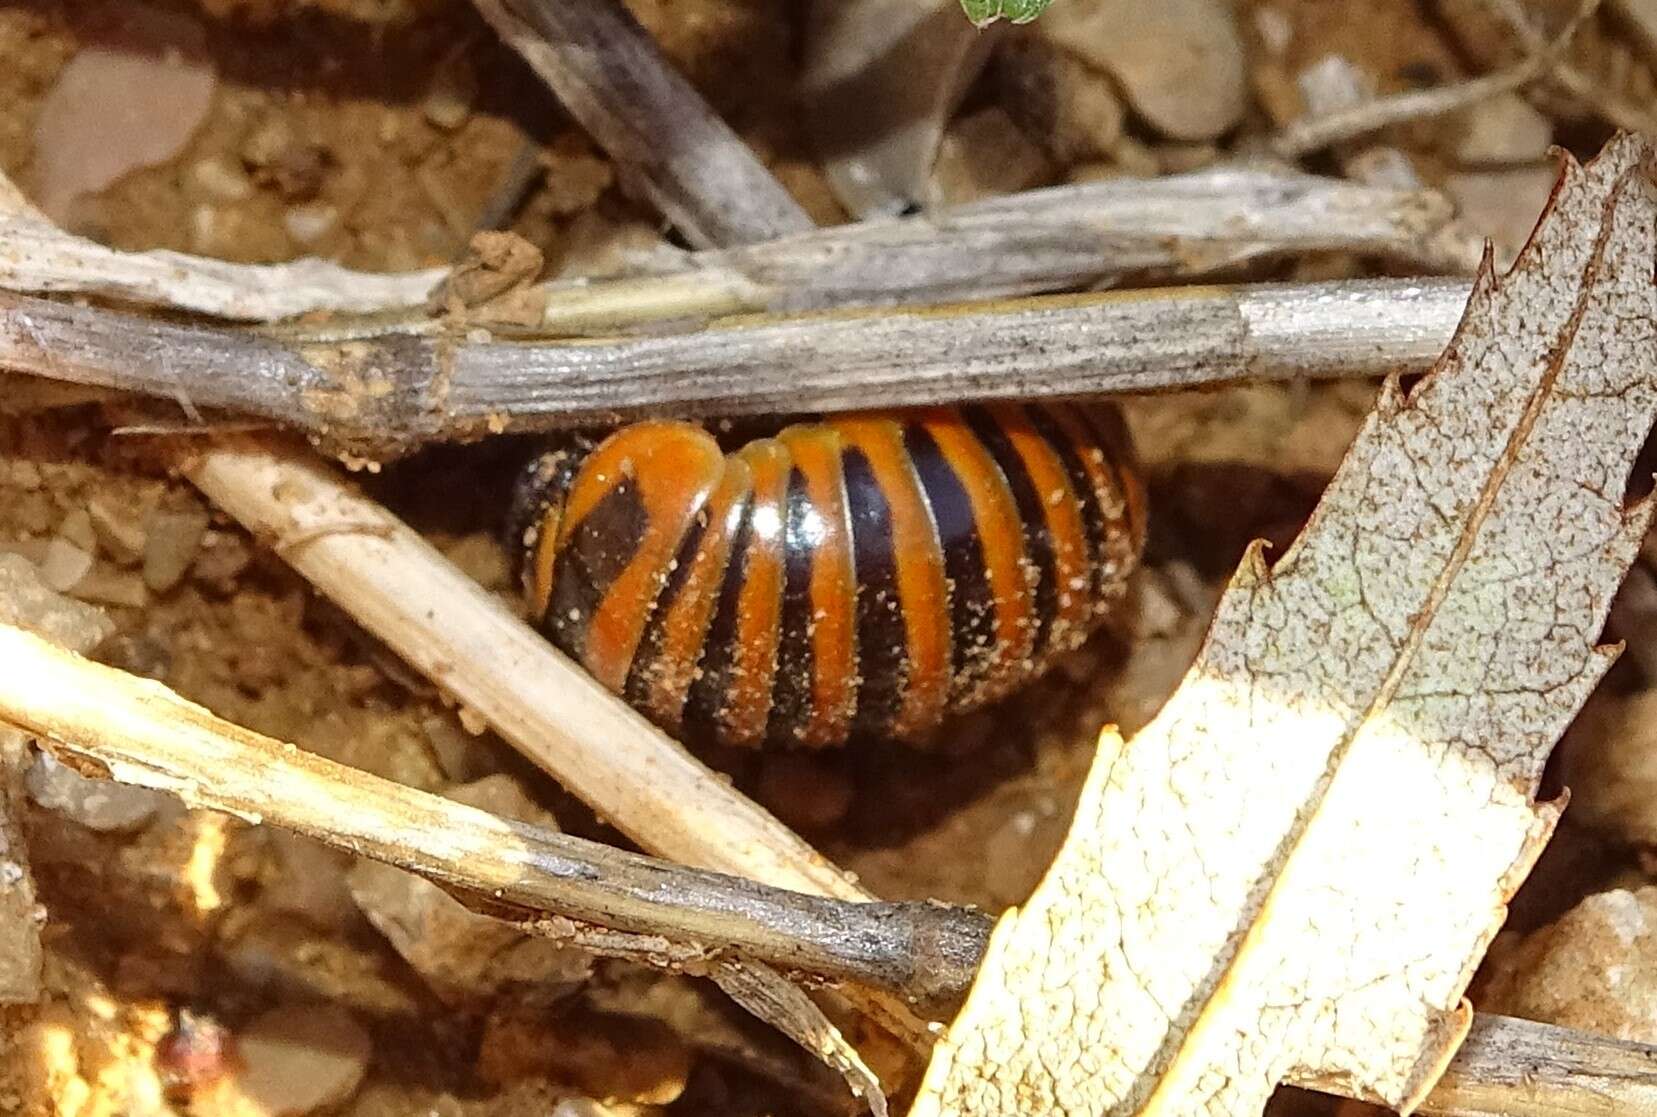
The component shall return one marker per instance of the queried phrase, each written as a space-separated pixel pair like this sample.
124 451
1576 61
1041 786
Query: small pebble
460 755
65 565
310 222
102 805
222 179
1500 131
103 586
294 1060
984 155
224 556
453 90
1595 968
1180 62
464 956
139 653
172 539
91 129
1069 106
26 600
77 529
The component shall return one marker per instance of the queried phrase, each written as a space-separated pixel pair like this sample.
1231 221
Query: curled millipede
865 574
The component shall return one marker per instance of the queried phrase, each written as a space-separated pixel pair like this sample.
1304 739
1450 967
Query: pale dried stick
648 118
36 255
145 734
1175 227
650 911
1314 132
382 396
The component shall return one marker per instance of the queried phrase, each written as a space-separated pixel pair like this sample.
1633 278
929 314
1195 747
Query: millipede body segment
864 574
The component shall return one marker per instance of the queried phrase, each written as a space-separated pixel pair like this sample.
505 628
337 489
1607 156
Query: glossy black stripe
648 657
543 484
1093 514
791 691
882 641
972 615
1032 513
708 690
599 549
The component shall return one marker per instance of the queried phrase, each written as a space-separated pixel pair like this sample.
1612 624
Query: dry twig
648 118
1177 227
1314 132
37 256
384 395
145 734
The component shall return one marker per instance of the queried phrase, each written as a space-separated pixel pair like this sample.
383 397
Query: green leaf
985 12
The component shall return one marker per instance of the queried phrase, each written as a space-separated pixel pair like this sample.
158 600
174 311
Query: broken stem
144 734
652 123
385 395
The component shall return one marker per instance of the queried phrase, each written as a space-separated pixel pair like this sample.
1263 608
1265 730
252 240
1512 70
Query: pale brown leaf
1291 873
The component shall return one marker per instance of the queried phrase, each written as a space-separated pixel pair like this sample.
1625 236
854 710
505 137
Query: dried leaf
1291 873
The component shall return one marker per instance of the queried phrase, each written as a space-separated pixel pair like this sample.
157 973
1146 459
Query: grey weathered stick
145 734
387 394
650 910
1518 1068
648 118
1060 238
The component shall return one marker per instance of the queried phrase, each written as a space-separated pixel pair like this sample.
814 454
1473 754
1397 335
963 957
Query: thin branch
1519 1068
465 640
651 121
385 395
144 734
1312 133
37 256
1063 237
1059 238
654 912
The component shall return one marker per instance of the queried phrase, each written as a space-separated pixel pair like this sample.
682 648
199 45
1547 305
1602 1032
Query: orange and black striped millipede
865 574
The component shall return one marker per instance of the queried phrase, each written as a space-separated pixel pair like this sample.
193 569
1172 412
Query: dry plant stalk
383 396
1062 237
35 255
462 638
140 732
651 122
1295 868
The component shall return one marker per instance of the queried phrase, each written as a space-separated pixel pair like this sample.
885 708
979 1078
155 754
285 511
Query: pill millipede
863 574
